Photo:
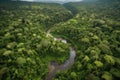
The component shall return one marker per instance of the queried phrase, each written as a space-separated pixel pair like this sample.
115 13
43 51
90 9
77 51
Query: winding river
54 67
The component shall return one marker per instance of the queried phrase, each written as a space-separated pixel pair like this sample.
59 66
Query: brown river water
54 67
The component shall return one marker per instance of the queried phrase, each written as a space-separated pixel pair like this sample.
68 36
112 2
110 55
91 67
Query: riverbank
54 67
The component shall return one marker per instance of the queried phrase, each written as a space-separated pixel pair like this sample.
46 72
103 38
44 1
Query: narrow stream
54 67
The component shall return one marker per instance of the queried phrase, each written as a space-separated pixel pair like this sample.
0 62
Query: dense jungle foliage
25 50
93 28
95 33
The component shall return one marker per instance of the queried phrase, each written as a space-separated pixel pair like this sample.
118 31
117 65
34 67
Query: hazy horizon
63 1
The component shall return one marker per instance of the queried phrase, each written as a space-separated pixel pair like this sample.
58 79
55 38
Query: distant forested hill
43 13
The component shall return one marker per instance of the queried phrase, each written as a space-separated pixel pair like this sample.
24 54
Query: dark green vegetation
93 29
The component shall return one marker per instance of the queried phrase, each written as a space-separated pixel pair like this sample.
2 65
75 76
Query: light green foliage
7 53
98 63
30 52
73 21
107 76
21 60
73 74
86 58
7 34
109 59
45 43
79 65
20 45
95 37
93 52
86 40
89 66
11 45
